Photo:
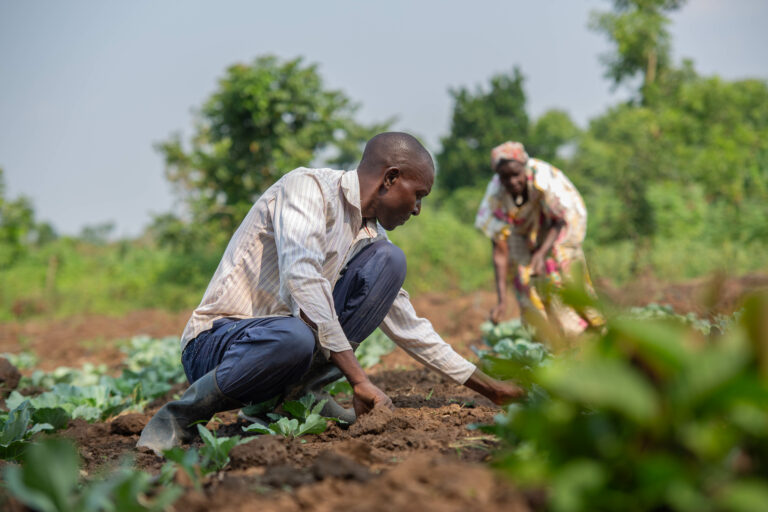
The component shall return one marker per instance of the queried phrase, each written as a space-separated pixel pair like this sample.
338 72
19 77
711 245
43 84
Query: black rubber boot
321 373
175 422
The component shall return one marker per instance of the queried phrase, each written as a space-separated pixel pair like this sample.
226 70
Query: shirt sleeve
561 200
300 238
417 337
491 218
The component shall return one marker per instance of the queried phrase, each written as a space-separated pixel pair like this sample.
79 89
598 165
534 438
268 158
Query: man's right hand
367 396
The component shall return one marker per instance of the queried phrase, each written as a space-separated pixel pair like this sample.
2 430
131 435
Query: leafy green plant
718 324
16 430
341 386
214 454
47 481
89 393
651 415
373 348
91 403
513 353
306 419
22 360
187 461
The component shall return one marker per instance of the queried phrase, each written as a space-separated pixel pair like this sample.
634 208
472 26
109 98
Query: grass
444 254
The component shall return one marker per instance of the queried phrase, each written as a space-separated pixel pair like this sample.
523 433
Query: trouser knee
255 370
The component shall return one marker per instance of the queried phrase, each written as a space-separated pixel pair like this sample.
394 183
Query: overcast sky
87 87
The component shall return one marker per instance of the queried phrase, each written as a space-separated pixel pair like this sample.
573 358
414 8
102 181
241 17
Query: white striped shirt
286 257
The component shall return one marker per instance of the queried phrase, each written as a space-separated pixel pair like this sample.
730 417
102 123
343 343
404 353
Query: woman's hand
538 267
498 312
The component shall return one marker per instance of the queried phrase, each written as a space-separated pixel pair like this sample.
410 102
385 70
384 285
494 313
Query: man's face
401 194
512 176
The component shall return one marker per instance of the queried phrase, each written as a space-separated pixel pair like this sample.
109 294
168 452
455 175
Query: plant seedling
15 431
214 454
306 419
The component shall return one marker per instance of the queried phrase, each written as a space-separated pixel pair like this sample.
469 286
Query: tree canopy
265 119
485 118
638 30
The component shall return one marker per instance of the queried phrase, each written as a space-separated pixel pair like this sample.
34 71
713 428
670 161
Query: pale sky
87 87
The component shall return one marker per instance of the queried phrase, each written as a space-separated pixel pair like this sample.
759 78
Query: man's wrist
358 381
350 367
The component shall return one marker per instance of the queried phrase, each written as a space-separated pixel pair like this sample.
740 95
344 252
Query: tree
638 29
705 139
264 120
18 228
484 119
481 120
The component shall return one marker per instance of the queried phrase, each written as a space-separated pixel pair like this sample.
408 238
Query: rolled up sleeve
300 232
418 338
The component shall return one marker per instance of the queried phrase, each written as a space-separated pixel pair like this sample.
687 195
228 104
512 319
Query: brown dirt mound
262 451
9 376
422 482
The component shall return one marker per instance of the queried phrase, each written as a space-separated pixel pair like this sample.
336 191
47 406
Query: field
420 457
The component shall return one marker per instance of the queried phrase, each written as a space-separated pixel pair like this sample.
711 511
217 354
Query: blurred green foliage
19 231
652 414
48 480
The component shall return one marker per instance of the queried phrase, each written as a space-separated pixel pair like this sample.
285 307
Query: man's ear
391 175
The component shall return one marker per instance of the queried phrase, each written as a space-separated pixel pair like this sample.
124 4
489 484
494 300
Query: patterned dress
551 198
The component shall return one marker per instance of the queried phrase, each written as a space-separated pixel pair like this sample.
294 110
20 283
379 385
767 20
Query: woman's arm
500 265
538 268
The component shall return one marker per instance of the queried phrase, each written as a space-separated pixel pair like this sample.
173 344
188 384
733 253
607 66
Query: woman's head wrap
508 151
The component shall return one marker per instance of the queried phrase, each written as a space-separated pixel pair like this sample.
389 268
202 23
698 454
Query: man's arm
417 337
498 391
366 395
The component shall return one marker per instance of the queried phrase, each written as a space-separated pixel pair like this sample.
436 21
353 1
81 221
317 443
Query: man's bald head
396 149
395 174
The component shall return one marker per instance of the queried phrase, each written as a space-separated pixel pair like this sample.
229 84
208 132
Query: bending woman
537 221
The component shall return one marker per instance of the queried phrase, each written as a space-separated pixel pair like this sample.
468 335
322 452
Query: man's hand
498 312
367 396
498 391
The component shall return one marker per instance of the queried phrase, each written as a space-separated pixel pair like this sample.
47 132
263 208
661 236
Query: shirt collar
350 187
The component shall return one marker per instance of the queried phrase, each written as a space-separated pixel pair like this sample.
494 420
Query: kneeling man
306 277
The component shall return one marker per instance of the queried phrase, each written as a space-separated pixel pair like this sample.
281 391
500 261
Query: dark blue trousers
258 358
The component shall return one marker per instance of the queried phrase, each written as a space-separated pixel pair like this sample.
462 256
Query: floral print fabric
551 198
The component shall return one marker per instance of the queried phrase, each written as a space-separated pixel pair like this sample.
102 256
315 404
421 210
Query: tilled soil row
419 456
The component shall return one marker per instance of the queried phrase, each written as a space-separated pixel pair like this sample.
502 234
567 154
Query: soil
421 456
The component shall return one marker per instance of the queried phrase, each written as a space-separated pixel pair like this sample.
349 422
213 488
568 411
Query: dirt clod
262 451
373 422
128 424
333 465
9 376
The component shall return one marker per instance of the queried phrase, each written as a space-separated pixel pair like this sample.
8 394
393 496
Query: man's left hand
498 391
